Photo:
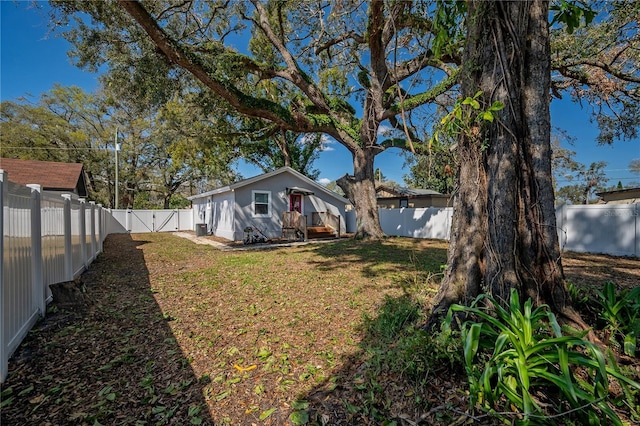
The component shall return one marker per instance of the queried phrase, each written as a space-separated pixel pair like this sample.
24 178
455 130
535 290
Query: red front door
295 203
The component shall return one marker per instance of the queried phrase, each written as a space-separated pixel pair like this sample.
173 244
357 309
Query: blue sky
32 61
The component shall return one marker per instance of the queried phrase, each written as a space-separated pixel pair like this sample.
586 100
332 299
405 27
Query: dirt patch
179 333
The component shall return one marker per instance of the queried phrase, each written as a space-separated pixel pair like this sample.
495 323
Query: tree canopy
160 152
341 70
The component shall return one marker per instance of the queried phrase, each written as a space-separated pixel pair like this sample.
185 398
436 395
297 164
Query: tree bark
360 190
504 227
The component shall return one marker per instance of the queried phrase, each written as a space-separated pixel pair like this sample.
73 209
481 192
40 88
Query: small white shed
260 202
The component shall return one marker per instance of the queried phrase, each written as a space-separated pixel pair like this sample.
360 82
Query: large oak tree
341 68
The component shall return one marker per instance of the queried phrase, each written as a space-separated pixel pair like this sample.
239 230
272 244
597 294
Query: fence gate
166 220
154 220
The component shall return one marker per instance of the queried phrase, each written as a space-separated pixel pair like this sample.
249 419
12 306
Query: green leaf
496 106
6 402
470 101
630 343
223 395
471 343
25 391
487 116
300 404
264 353
266 414
299 418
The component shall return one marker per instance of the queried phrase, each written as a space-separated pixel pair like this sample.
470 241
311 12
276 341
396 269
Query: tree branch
603 66
245 104
337 40
293 74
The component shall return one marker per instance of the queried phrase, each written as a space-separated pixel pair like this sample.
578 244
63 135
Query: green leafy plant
570 12
577 295
620 312
517 354
466 118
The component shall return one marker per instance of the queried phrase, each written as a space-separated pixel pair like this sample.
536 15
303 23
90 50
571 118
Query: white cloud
384 130
327 143
324 181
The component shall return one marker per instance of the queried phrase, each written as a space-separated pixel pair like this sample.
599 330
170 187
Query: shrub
517 354
620 312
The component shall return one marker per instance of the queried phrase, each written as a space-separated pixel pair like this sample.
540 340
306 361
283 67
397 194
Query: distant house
269 202
395 197
63 178
620 196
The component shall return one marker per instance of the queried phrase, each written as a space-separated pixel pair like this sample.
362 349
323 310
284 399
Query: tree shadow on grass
589 269
112 361
400 376
381 257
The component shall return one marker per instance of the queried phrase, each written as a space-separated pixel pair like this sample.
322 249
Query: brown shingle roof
51 175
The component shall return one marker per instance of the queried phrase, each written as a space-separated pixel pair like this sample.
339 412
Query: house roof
52 176
619 191
315 186
408 192
620 196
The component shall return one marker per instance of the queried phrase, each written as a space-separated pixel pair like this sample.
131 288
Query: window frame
253 203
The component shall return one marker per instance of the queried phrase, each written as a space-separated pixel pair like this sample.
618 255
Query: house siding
222 215
217 212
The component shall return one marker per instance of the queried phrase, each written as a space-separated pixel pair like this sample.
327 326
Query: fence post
560 231
39 293
68 247
92 221
4 362
127 220
100 225
83 233
636 227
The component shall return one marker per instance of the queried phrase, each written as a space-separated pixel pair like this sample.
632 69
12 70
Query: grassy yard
179 333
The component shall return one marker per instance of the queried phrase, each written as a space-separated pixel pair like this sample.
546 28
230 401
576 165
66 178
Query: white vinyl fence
600 228
47 239
597 228
140 221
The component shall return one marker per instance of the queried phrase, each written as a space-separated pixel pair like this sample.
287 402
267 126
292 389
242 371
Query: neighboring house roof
52 176
397 191
315 186
621 196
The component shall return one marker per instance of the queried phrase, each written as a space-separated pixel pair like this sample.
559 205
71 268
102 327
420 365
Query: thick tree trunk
504 228
360 190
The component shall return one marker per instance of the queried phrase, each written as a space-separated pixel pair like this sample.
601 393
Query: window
261 203
404 203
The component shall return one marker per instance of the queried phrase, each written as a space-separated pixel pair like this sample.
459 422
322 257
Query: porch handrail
328 220
294 221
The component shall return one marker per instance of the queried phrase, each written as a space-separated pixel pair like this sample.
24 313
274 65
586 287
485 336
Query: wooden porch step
320 232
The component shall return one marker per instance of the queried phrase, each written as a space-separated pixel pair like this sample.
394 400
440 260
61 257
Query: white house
260 202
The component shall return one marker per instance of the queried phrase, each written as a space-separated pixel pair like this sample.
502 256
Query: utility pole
117 148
